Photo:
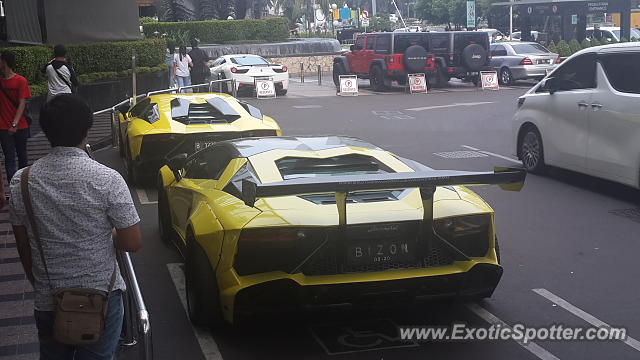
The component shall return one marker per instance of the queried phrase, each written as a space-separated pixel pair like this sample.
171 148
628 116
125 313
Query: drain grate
462 154
631 214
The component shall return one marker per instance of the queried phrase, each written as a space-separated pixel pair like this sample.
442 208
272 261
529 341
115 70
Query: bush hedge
224 31
114 57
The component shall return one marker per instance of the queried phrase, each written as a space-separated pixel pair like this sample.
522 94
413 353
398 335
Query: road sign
348 85
417 84
265 88
489 80
365 14
471 14
364 22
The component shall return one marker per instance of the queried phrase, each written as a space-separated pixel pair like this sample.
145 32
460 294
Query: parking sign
489 80
417 84
348 85
265 88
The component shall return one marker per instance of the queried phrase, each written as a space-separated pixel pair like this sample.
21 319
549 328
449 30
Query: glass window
208 164
354 164
371 42
529 49
623 71
359 43
516 36
140 108
249 60
402 42
577 73
498 50
234 187
383 44
440 42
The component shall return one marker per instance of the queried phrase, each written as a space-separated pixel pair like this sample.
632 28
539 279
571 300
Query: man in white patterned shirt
77 203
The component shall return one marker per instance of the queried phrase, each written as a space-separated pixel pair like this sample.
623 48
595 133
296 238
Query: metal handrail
137 324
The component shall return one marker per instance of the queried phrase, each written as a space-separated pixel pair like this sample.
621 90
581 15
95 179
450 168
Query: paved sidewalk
18 335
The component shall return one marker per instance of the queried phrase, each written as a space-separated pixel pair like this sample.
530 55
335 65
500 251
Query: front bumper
287 293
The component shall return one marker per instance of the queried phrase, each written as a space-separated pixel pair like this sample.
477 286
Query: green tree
575 46
552 47
586 43
595 42
381 22
563 49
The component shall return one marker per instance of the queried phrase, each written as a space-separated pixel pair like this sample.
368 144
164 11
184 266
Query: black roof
251 146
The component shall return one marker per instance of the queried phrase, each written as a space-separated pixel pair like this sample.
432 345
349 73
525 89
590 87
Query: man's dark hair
59 51
194 43
66 120
9 57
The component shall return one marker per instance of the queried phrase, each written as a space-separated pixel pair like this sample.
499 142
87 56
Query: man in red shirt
14 132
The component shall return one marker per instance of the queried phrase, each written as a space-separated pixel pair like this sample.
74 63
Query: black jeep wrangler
459 54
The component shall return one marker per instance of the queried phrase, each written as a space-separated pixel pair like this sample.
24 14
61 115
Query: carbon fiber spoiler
510 179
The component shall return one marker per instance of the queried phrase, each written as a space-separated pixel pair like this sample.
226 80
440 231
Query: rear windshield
440 42
403 41
249 60
353 164
529 49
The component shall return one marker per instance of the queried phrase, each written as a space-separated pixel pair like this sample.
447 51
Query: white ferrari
245 68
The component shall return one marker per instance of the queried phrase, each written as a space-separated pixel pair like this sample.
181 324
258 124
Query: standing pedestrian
200 71
80 214
181 64
14 128
62 78
171 49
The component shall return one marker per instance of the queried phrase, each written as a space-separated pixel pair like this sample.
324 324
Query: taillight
233 70
526 61
558 60
284 69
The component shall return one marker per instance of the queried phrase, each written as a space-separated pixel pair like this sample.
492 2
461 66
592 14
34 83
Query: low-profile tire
506 77
132 171
376 79
164 217
441 78
203 300
531 150
497 247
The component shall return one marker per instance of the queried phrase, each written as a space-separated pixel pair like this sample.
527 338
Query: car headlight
470 234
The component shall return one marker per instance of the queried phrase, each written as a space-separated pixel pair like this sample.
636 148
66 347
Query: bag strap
4 91
62 77
26 199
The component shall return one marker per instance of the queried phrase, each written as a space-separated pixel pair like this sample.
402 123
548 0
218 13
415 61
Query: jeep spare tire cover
474 57
415 59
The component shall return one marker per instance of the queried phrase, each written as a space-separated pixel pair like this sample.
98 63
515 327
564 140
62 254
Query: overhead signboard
489 80
417 84
348 85
471 14
265 88
598 6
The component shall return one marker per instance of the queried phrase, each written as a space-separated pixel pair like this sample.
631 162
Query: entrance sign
348 85
489 80
265 88
364 22
417 84
471 14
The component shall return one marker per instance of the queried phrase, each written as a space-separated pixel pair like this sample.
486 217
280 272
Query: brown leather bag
80 312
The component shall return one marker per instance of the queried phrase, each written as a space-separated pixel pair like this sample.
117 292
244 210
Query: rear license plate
380 251
544 61
203 145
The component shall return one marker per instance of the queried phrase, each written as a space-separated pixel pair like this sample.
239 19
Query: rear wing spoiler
510 179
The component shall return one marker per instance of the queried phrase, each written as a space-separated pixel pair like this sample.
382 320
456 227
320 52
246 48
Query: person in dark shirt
199 58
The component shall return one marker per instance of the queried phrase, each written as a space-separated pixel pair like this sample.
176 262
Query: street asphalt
568 243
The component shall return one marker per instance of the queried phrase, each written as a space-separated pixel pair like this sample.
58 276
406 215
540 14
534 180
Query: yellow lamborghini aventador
160 123
304 222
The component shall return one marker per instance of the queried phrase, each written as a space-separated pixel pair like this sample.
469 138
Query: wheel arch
344 62
378 62
526 125
206 232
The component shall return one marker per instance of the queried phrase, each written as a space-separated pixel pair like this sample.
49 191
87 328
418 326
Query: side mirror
177 163
551 84
352 47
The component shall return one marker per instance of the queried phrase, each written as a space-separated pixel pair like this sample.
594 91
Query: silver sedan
521 60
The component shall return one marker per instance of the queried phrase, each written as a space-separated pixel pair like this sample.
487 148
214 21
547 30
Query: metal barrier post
114 133
234 90
302 72
133 74
319 75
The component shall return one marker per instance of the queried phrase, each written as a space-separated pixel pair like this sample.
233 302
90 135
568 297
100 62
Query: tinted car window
371 42
140 108
440 42
359 45
402 42
529 49
623 71
383 43
208 164
577 73
498 50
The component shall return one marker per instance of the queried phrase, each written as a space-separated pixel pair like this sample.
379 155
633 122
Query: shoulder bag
80 312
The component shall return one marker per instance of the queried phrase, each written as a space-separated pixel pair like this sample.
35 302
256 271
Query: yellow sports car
160 123
305 222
